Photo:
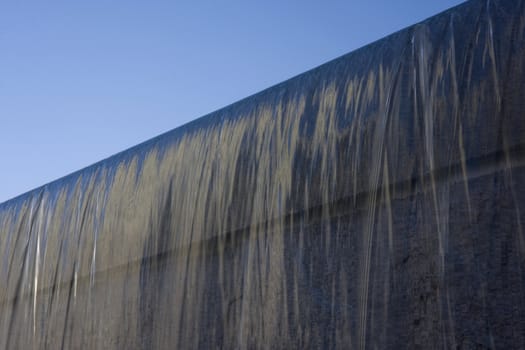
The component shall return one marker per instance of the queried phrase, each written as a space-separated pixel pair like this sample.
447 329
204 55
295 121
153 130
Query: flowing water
374 202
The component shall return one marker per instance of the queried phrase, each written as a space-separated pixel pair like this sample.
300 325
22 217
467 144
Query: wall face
374 202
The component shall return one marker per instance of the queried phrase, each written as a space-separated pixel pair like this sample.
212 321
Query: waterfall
376 201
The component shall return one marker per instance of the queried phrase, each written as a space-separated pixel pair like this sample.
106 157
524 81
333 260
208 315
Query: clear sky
82 80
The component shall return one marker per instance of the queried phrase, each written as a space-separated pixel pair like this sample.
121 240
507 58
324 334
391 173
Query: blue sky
82 80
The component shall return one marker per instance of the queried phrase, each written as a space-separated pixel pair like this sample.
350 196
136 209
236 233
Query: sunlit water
374 202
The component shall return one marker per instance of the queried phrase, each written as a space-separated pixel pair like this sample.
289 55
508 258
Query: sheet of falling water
374 202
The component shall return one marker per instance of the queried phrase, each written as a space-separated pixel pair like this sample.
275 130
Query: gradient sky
82 80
